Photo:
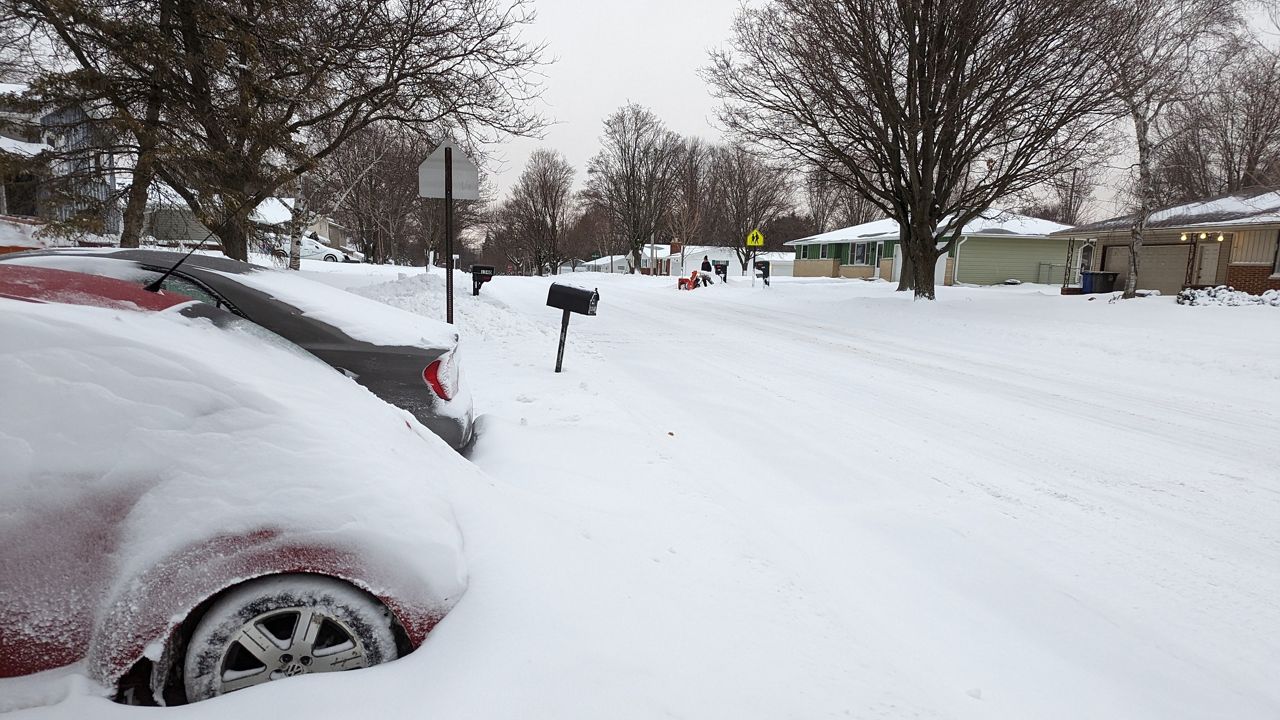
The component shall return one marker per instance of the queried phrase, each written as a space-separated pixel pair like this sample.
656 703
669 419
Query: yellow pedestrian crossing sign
755 239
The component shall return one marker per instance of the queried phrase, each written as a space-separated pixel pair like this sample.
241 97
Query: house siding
174 226
815 268
991 261
1254 247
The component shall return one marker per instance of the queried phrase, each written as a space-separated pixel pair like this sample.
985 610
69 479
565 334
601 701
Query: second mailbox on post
480 274
573 299
570 300
762 267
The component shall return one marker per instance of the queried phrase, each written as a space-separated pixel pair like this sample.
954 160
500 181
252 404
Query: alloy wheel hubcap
288 642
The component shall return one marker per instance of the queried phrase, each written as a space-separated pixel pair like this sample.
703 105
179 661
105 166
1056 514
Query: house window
1275 266
860 254
823 253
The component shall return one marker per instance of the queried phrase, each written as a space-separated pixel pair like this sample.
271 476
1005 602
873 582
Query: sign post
448 173
755 239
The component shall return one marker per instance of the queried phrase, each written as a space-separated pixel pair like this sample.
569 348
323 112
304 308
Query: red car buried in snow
190 505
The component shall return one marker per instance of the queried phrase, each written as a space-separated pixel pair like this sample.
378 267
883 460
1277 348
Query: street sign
448 173
755 238
466 176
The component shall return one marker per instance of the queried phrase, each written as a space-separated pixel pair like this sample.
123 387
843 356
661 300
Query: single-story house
572 265
169 221
780 263
1227 240
996 247
656 255
609 263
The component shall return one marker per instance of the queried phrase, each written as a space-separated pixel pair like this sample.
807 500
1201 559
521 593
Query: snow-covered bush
1226 295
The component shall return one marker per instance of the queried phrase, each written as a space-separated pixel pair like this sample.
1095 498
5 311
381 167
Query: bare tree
1067 195
542 198
686 218
1226 138
746 193
1160 49
252 95
929 110
370 186
834 205
633 176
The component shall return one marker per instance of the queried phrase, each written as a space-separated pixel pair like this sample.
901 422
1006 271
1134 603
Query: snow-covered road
822 499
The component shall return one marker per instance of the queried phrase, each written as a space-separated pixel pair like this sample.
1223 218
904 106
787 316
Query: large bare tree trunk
906 281
135 207
1146 201
234 236
921 256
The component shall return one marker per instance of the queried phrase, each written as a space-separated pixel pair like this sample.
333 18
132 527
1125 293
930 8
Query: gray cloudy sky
606 53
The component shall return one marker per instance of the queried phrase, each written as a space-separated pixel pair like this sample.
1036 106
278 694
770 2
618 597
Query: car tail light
442 376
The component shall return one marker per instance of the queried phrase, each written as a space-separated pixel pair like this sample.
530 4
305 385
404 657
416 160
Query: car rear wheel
331 258
277 627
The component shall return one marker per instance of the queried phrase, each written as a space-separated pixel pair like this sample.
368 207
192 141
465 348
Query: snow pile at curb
1224 295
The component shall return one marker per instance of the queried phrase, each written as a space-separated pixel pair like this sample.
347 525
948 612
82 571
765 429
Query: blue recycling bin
1086 281
1098 281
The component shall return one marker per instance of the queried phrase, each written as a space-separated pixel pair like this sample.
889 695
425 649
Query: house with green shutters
997 247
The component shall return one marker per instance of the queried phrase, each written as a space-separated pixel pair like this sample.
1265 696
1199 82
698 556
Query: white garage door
1163 267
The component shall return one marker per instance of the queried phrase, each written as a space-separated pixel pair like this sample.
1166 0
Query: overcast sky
605 53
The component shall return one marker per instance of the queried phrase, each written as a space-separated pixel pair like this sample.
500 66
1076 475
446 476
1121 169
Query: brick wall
1252 278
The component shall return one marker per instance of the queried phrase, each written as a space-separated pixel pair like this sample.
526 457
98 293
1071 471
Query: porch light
1221 237
1204 236
1182 237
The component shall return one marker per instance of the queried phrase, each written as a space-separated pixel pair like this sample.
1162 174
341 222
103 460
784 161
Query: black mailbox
572 299
480 274
721 268
762 267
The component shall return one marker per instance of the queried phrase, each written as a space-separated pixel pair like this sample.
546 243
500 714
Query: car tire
284 625
331 258
279 254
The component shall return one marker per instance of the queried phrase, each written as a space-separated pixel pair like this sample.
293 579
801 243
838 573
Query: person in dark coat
707 276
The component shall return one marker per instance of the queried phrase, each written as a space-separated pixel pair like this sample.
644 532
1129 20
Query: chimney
675 248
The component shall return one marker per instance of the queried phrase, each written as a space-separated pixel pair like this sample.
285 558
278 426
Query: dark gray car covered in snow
416 371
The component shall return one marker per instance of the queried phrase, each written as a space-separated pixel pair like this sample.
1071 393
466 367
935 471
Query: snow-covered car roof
185 432
359 317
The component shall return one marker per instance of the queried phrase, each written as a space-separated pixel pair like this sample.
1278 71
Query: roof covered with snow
21 148
992 223
605 261
1255 206
273 211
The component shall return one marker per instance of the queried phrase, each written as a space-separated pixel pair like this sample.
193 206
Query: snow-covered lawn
821 499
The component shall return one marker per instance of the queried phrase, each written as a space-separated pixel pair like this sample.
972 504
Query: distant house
88 172
169 221
609 263
52 165
1226 240
996 247
690 259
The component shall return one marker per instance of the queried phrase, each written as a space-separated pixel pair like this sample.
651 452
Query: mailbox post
480 274
570 299
762 266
